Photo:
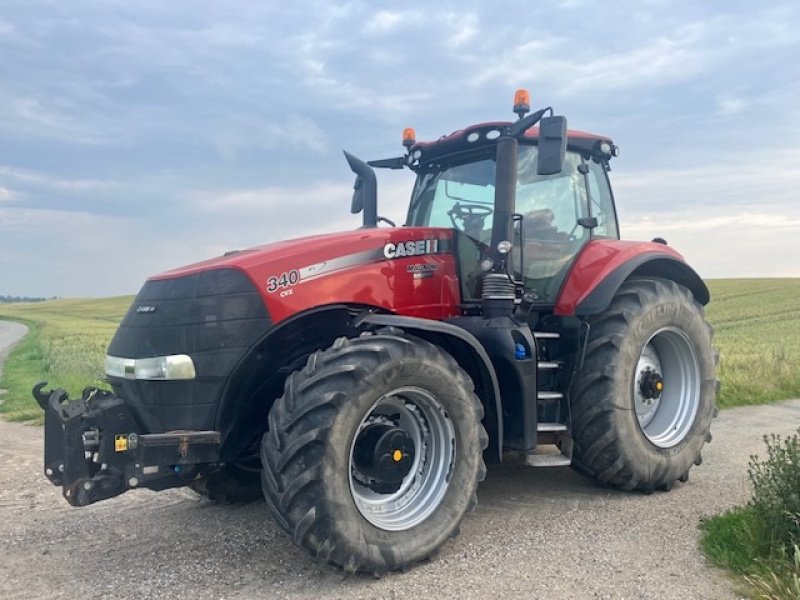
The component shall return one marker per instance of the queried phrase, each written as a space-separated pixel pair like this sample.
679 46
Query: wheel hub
666 387
651 385
384 454
401 459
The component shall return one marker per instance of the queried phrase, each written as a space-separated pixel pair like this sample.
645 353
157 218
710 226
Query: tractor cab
554 216
561 198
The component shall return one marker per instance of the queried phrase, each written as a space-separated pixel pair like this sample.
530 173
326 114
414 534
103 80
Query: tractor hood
365 266
281 251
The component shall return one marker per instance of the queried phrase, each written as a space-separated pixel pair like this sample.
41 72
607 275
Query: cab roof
486 134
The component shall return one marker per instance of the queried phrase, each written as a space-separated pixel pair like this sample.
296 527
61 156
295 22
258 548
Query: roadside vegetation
757 331
65 346
761 540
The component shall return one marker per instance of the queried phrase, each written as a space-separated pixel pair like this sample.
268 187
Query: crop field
756 323
65 346
757 331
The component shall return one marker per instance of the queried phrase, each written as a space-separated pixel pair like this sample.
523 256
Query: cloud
462 28
31 179
754 178
186 128
269 199
741 243
729 106
385 21
663 59
240 134
86 254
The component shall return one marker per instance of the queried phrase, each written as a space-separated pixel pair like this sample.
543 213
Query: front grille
214 317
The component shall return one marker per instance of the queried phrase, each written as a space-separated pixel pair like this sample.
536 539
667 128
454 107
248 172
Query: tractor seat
539 227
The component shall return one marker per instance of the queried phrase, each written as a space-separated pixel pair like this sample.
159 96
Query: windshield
461 195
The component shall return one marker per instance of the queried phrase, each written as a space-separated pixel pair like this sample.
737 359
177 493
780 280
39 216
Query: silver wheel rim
423 418
667 418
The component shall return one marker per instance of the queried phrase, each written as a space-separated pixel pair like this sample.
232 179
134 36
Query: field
65 346
756 322
757 331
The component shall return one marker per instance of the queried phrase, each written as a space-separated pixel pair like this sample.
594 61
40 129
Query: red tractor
361 380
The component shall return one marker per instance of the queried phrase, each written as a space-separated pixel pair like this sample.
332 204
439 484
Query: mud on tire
309 471
652 325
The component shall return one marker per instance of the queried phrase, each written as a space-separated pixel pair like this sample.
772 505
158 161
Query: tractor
361 381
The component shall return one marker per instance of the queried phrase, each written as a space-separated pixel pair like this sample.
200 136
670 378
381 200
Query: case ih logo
411 248
145 308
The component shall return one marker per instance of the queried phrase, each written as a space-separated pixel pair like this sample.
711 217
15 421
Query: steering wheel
471 215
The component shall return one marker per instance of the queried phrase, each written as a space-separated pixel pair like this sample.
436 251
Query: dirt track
10 334
537 533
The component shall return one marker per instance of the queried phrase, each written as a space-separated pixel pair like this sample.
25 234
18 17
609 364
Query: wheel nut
48 471
133 482
87 486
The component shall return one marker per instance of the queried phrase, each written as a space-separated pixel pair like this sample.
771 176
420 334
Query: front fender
471 356
603 265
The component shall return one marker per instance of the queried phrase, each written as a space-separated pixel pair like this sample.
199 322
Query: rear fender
604 265
470 355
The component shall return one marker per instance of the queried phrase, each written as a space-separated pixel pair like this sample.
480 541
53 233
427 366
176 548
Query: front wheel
374 452
643 402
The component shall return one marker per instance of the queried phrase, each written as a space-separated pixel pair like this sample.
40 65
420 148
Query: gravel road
10 334
537 533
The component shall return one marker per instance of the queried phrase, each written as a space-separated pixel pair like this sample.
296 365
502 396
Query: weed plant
760 540
776 492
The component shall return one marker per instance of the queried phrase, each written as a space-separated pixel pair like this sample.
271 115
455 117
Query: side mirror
552 145
365 190
357 204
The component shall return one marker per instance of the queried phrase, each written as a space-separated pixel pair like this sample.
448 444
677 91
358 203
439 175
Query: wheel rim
666 387
389 499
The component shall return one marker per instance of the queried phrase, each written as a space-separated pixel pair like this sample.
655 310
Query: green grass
757 331
757 325
730 540
735 540
759 541
65 346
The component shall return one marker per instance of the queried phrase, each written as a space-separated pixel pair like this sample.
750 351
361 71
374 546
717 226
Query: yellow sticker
397 456
120 443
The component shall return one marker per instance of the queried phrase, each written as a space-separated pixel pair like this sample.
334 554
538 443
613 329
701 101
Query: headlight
176 366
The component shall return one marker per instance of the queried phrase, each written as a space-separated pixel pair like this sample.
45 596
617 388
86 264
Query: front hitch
95 449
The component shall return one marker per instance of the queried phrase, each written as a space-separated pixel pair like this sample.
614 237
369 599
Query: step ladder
554 444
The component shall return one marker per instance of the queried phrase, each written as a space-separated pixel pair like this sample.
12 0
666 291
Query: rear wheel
643 402
374 452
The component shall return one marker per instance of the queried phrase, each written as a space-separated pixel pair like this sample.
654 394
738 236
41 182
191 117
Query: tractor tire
232 484
374 452
643 402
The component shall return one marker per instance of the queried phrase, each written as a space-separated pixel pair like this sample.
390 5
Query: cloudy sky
138 136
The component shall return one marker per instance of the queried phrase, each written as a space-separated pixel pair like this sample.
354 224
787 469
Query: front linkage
94 448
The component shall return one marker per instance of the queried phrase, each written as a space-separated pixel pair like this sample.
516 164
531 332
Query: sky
140 136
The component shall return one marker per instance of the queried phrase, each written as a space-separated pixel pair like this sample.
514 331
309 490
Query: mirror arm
519 128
